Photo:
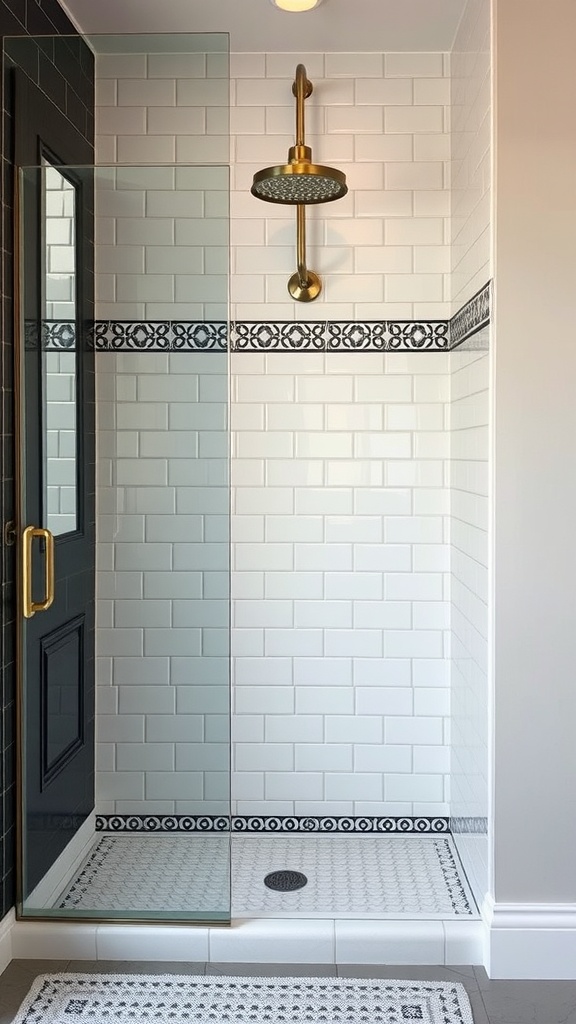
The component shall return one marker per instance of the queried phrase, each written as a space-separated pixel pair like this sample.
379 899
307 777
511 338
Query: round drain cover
285 881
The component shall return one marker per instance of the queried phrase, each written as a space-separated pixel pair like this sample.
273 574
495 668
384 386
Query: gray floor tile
273 970
135 967
464 975
528 1002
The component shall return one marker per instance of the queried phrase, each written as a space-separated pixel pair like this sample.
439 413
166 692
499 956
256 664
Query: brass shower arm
302 89
304 285
301 244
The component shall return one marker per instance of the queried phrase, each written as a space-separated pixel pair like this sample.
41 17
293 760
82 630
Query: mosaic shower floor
392 876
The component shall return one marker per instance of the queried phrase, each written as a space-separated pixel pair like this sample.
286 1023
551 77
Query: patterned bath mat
177 999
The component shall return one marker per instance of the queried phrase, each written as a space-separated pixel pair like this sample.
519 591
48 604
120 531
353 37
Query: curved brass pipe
302 89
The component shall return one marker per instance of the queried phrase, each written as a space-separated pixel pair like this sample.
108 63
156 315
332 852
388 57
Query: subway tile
260 700
323 757
354 786
322 557
202 756
141 613
354 119
347 529
383 501
413 643
387 700
353 643
158 642
413 65
382 672
324 700
378 757
354 472
146 700
174 785
354 585
176 65
325 501
413 529
431 701
351 65
264 757
415 731
293 585
323 614
295 528
294 786
414 787
322 671
264 614
382 615
293 642
387 558
383 92
248 585
116 641
203 612
300 728
357 729
247 642
256 672
414 119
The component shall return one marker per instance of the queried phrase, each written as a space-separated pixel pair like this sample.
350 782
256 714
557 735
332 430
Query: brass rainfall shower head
299 183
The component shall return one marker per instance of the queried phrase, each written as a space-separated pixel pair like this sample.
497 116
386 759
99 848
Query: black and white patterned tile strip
268 823
471 318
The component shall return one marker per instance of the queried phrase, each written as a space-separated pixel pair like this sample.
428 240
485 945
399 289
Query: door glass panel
59 283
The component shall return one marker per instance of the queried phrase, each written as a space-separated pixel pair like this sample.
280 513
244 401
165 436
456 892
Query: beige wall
534 453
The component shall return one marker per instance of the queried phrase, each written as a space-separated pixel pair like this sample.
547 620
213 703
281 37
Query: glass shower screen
157 843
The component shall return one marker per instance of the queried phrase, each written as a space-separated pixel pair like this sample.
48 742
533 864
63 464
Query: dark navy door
56 530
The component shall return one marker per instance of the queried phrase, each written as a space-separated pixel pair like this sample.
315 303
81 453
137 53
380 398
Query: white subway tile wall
341 547
469 506
382 251
60 398
162 238
163 583
339 585
471 161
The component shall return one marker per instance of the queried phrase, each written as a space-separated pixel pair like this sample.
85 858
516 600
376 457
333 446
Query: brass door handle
29 606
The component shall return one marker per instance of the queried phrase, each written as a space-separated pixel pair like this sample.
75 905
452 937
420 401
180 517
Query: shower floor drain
285 881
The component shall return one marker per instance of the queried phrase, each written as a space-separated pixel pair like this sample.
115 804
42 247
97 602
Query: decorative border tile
162 823
468 826
340 336
160 336
471 318
342 825
278 336
268 823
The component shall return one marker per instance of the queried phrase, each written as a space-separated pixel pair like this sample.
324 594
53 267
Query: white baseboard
281 941
530 940
62 871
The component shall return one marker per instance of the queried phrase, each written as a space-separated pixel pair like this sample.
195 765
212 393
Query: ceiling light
296 5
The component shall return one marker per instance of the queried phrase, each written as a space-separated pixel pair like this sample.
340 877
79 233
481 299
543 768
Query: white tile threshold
257 941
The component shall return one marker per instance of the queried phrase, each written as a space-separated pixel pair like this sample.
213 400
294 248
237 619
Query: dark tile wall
63 68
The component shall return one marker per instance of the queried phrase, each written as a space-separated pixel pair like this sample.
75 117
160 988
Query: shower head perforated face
299 183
